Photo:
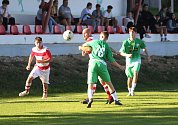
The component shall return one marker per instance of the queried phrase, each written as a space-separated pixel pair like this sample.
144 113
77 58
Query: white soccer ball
68 35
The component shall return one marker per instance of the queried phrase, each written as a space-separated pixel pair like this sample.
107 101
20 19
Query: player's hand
122 67
79 47
28 67
149 59
129 55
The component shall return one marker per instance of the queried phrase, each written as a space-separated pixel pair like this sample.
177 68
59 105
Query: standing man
131 50
100 52
41 68
88 38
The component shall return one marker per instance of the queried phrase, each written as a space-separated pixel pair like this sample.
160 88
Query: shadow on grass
146 116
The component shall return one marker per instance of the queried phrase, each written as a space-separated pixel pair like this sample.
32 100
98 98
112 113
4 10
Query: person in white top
108 17
86 16
41 68
5 15
128 21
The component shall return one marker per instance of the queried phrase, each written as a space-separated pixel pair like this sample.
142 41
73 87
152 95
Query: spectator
5 15
86 16
97 14
65 15
169 12
128 21
171 24
162 14
108 17
148 18
43 7
158 28
54 11
139 24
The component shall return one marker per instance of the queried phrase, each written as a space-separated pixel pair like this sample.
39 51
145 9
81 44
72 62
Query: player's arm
115 52
146 53
30 59
125 54
118 65
85 48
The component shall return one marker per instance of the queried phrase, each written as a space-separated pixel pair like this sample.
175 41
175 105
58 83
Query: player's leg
27 86
129 85
92 79
33 74
104 74
44 76
106 89
136 69
129 74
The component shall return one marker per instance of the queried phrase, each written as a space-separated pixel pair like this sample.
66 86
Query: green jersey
133 47
100 51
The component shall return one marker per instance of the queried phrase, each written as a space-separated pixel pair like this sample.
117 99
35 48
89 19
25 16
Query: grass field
146 108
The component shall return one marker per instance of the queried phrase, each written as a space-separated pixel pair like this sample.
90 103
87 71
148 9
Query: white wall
25 10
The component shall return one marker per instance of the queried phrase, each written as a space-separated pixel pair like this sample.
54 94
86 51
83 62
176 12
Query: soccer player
88 38
131 50
41 68
100 52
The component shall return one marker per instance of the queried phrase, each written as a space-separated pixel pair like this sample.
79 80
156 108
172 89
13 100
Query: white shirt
2 11
107 15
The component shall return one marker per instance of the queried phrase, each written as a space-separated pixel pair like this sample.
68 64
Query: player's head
104 35
86 33
132 32
38 42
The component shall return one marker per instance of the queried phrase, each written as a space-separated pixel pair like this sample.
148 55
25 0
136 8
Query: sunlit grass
146 108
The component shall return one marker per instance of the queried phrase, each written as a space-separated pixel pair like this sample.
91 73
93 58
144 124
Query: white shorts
43 74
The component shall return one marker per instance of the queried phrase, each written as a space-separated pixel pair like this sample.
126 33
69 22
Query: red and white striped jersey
41 54
89 39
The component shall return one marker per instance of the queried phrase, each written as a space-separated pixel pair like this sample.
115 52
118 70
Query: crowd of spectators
163 22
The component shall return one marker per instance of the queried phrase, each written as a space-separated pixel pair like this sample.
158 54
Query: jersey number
100 52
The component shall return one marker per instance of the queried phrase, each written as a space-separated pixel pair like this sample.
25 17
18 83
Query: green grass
146 108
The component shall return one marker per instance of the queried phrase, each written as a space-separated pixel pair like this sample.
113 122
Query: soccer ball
68 35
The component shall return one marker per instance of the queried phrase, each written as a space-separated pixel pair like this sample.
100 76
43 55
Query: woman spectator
171 24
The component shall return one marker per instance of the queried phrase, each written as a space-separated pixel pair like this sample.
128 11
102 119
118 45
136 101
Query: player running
131 50
100 52
41 68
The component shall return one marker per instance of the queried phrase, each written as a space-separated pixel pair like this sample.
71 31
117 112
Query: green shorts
130 69
95 69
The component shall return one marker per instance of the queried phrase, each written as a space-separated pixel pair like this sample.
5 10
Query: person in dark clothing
157 27
147 17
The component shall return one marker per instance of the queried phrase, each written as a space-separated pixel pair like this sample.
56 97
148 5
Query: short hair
98 5
105 33
109 7
145 5
39 39
5 2
132 29
89 4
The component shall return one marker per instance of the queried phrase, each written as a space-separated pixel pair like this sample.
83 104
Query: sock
114 95
107 91
161 36
90 94
165 37
27 87
133 87
45 88
94 88
129 89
